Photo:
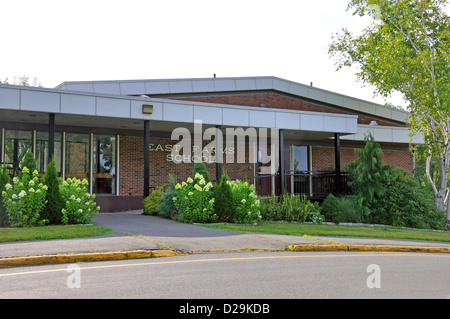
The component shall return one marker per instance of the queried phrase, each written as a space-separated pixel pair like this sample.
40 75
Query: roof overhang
85 109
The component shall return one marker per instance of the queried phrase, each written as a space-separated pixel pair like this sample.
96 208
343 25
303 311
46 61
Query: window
77 156
300 158
41 152
17 144
104 164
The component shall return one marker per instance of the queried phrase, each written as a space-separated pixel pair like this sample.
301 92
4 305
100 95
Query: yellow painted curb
344 247
77 258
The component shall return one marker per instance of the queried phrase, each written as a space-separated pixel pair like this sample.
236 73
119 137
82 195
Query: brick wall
131 182
323 158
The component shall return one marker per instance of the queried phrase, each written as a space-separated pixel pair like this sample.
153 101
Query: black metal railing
311 184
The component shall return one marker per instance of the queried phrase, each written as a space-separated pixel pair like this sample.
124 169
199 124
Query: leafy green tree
55 203
407 49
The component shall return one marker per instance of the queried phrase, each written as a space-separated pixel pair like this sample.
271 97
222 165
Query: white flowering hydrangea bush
24 200
246 202
80 206
194 200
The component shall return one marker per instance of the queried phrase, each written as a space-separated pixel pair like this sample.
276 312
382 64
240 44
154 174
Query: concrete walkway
139 236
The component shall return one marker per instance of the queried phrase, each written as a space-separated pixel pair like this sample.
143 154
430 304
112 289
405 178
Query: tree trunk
447 218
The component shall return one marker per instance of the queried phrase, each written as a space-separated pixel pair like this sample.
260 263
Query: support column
281 161
51 136
146 158
219 156
337 161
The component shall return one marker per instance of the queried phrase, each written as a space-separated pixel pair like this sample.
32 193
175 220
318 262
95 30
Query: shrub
200 167
55 203
166 207
331 210
4 179
224 205
290 208
405 203
350 209
24 200
80 206
151 202
194 200
29 162
245 205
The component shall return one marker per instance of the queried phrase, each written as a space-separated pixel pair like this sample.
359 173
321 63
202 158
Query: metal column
51 136
281 161
146 158
337 161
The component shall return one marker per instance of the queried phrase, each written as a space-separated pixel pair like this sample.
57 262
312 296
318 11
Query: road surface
254 275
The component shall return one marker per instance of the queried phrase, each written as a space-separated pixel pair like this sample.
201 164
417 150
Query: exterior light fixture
147 109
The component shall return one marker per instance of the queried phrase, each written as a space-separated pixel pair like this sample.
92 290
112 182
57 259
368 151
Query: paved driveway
184 237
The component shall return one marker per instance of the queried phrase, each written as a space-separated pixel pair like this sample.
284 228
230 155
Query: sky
57 40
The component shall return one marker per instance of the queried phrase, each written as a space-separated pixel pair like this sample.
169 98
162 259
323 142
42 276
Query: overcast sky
57 40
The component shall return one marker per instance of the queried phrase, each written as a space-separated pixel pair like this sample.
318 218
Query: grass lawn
51 232
299 229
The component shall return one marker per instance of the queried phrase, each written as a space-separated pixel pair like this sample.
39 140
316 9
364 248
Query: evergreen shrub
55 203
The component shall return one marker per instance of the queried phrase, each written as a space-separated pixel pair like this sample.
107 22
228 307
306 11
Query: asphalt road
254 275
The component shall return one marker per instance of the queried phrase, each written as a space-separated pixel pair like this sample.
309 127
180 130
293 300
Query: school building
125 137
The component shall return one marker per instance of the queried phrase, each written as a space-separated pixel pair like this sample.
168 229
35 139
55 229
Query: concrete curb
10 262
388 248
86 257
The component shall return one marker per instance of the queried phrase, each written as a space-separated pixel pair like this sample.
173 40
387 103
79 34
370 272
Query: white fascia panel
77 104
287 121
262 118
107 88
89 87
113 107
263 84
383 134
352 125
245 84
224 85
335 124
235 117
9 99
280 85
180 86
310 122
208 115
132 88
40 101
178 112
157 87
298 89
203 86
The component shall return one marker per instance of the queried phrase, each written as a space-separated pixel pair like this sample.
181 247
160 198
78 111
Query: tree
23 81
367 174
407 49
224 206
55 203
